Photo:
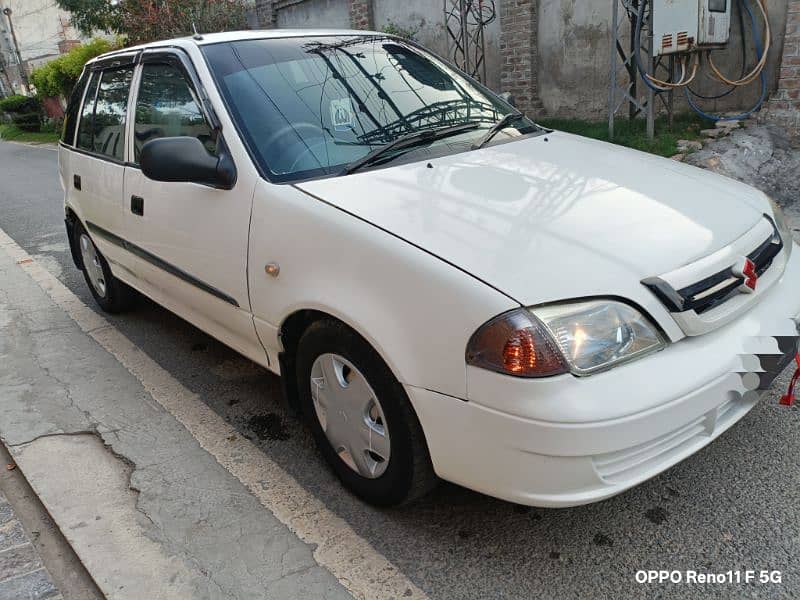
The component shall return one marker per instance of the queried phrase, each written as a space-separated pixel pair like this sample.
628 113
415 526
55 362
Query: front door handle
76 181
137 205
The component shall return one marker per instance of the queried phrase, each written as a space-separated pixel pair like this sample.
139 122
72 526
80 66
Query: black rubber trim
289 394
97 155
73 246
160 263
115 61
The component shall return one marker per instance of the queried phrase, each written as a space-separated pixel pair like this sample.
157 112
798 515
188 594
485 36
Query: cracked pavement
58 383
731 506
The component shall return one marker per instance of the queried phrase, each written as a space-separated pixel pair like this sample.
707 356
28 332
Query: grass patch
634 133
15 134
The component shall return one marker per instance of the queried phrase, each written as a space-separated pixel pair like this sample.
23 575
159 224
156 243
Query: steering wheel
296 129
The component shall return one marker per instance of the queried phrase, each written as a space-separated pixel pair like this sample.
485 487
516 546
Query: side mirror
186 159
508 98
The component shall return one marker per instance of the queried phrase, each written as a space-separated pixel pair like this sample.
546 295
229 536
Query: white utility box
674 25
685 25
715 22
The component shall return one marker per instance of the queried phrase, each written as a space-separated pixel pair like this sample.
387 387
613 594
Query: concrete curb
86 491
226 521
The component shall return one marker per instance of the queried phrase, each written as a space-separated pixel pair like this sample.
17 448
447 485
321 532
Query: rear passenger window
74 105
167 107
102 128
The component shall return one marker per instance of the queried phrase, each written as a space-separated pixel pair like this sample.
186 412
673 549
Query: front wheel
360 416
110 293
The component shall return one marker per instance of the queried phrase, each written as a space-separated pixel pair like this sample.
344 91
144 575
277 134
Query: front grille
716 289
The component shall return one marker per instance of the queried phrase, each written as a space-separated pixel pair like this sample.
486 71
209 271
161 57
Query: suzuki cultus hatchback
445 288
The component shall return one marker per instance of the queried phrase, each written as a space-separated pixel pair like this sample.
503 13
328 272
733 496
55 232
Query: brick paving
22 574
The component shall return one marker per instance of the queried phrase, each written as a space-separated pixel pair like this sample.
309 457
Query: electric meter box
714 25
686 25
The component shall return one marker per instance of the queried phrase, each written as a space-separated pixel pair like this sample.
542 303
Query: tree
90 16
147 20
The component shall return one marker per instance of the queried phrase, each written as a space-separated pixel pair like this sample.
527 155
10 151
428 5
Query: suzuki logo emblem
746 269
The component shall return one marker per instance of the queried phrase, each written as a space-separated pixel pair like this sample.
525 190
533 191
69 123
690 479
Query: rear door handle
76 181
137 205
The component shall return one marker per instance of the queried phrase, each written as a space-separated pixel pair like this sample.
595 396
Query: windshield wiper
406 141
496 128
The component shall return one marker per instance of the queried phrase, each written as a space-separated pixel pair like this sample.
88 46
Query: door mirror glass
185 159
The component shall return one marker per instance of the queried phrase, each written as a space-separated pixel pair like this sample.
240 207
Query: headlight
581 337
782 225
598 334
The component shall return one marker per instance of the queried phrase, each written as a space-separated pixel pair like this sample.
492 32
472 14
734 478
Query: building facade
43 32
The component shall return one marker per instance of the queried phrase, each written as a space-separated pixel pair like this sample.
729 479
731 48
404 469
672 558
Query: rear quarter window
85 122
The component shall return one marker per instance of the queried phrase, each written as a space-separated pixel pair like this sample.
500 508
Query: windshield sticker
342 115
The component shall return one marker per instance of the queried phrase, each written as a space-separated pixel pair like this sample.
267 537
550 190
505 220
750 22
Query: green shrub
18 103
25 112
392 28
58 77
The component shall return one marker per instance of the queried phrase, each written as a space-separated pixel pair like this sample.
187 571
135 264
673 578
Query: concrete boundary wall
553 55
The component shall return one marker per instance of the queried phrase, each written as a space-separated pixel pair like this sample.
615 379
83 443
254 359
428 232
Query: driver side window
167 107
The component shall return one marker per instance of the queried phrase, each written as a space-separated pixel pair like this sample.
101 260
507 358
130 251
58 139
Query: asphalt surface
731 507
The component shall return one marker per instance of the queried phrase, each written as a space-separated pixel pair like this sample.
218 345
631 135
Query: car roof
232 36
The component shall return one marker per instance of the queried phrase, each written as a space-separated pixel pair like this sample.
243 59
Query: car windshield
309 106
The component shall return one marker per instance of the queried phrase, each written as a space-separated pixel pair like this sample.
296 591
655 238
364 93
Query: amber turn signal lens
519 353
516 343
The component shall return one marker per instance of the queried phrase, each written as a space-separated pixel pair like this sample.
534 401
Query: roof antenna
196 35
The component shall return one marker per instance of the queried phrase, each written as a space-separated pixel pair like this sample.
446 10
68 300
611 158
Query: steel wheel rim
91 263
350 414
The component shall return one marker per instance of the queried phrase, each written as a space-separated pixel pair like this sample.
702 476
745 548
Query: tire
111 294
406 474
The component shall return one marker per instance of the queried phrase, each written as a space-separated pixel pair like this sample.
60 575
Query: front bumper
566 441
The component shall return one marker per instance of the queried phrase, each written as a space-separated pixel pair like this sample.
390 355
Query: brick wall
265 14
783 107
519 53
361 15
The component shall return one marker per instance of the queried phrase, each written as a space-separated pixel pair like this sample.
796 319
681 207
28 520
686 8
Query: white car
446 288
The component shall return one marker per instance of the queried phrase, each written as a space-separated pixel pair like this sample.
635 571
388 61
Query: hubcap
350 415
91 262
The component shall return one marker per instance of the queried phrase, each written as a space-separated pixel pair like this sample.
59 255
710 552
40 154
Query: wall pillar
783 107
361 15
519 53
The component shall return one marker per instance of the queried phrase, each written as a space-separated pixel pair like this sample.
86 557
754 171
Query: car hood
552 217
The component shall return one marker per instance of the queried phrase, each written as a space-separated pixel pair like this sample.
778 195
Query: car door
186 242
98 160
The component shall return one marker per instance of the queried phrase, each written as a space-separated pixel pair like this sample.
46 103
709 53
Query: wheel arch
291 330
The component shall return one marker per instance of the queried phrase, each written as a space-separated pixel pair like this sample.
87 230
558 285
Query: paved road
733 506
